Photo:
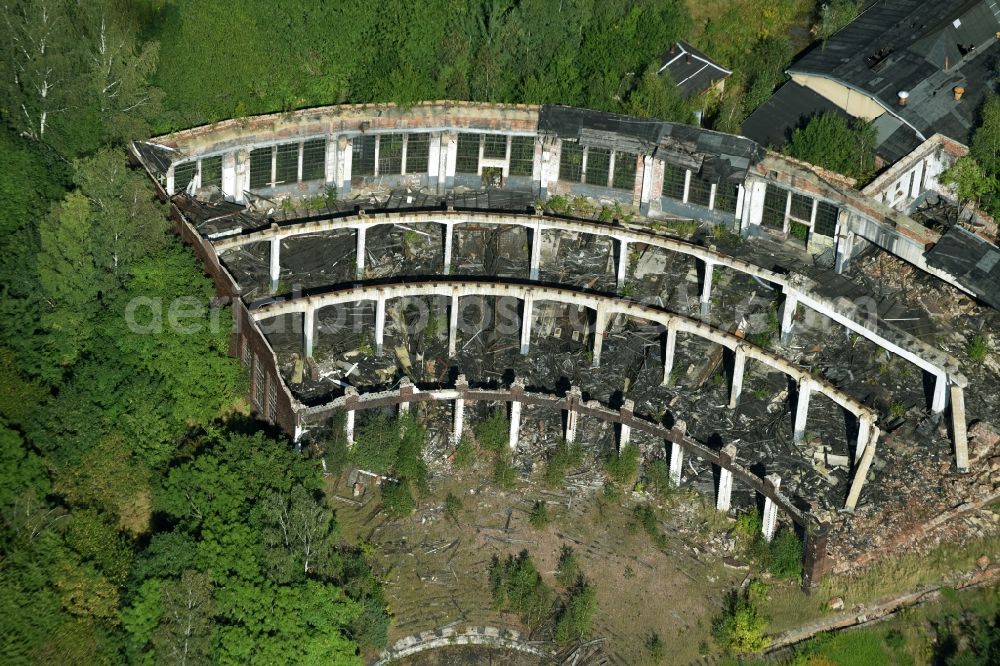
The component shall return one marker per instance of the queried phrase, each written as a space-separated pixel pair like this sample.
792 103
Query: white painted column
864 433
740 199
359 254
787 313
626 430
330 161
753 204
275 263
526 322
711 196
274 167
402 154
170 180
433 158
452 326
770 508
739 365
242 174
845 248
802 410
351 396
788 211
298 177
451 156
308 329
812 216
687 185
706 288
622 262
379 323
724 495
676 464
647 184
458 426
958 428
515 424
536 252
918 176
229 176
346 154
938 402
668 355
600 323
611 169
448 233
572 416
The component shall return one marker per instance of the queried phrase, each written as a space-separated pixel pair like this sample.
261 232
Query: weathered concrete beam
527 305
308 329
772 482
739 365
959 433
359 254
723 498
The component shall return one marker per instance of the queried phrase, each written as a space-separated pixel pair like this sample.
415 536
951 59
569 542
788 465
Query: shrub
397 500
657 648
518 588
539 516
504 474
785 555
452 507
493 433
569 567
577 614
740 629
623 468
465 452
658 479
563 458
977 349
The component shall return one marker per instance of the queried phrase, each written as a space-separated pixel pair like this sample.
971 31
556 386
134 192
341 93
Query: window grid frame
726 196
211 171
571 162
314 160
467 159
259 157
673 181
826 219
286 164
363 155
494 146
699 191
773 213
598 170
418 147
183 175
625 170
522 156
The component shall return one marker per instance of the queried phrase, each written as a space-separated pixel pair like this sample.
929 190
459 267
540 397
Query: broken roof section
716 156
973 261
926 49
692 71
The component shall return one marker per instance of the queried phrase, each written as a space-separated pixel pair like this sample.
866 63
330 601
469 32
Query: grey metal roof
973 261
691 70
788 108
925 48
718 156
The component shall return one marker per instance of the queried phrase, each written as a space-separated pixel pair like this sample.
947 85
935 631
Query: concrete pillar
918 178
812 216
459 417
676 464
308 329
739 365
330 162
536 252
788 212
711 196
723 498
600 323
359 254
379 323
275 263
864 434
801 410
787 313
298 173
625 435
526 322
772 481
550 167
229 177
449 152
573 398
242 174
958 428
647 184
706 288
351 398
405 391
272 181
940 393
452 325
741 193
345 154
753 206
687 185
447 247
668 354
434 158
622 262
170 180
517 390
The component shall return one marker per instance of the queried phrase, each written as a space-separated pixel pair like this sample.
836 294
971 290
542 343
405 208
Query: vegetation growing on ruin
832 142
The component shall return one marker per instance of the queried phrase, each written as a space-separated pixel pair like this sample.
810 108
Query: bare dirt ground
435 567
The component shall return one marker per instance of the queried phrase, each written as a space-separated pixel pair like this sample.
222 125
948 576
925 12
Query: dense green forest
146 517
